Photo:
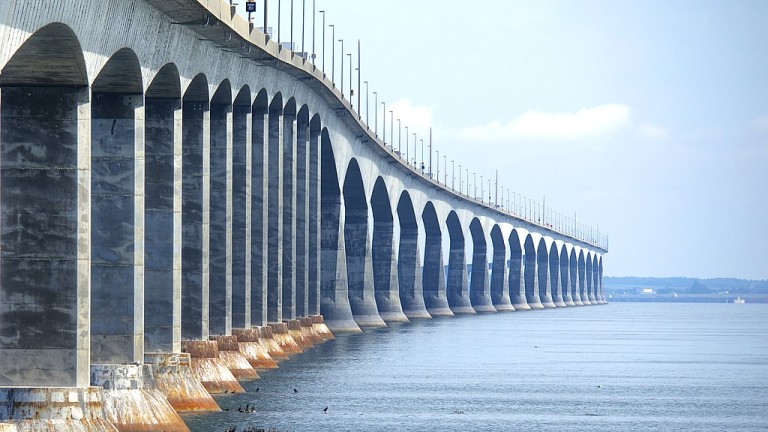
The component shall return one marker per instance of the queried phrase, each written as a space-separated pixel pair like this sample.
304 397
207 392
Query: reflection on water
619 367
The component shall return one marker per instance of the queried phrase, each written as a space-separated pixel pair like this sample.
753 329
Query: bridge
185 203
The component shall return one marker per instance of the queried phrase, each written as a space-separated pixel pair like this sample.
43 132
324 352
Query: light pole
445 168
376 114
279 9
351 90
333 53
303 21
482 189
407 146
474 182
392 129
266 20
384 122
358 76
430 154
313 32
422 156
467 170
489 192
414 149
399 138
292 26
342 67
323 44
461 180
366 104
438 166
453 174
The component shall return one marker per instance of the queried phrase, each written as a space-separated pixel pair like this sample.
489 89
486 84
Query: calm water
619 367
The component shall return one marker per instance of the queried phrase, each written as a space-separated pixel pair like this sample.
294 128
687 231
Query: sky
648 119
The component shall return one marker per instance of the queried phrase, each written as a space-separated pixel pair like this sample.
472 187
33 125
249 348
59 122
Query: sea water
617 367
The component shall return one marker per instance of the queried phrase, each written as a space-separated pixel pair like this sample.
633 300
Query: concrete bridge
184 203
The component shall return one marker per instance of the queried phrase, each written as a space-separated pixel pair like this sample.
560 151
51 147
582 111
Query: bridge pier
259 210
500 275
543 277
53 409
288 190
250 347
458 286
171 374
433 277
583 280
480 292
516 274
565 277
409 273
531 275
208 368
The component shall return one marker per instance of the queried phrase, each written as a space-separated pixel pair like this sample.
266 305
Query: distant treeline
683 285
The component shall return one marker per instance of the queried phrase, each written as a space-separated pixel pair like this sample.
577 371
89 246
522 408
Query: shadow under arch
194 288
499 276
531 274
334 291
241 239
565 276
220 289
582 269
516 272
480 286
457 283
44 88
433 276
359 265
409 261
575 283
162 281
554 276
383 257
542 265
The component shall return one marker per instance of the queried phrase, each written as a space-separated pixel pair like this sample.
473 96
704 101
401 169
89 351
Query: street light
351 90
474 182
453 174
445 168
342 67
376 114
313 32
392 129
482 188
333 53
384 122
407 146
438 166
399 138
366 103
279 10
323 44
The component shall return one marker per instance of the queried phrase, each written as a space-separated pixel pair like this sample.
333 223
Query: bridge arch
359 264
45 156
565 275
555 281
117 211
385 272
220 285
195 142
499 275
531 274
162 282
480 289
409 261
458 285
433 278
241 235
516 270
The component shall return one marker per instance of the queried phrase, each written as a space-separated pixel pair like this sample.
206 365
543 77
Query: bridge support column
565 278
209 369
282 335
591 279
302 216
359 261
288 299
385 277
259 215
583 281
435 297
458 286
517 274
253 351
172 376
500 279
63 408
543 277
275 212
409 272
240 262
575 285
314 241
229 353
480 292
268 341
531 275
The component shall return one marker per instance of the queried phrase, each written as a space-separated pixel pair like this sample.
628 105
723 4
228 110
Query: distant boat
739 300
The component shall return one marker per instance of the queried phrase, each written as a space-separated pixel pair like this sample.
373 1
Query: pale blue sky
648 118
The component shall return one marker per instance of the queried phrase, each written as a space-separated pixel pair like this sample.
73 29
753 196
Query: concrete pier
480 291
229 353
253 350
268 341
542 276
54 409
433 275
212 373
171 374
282 335
500 275
517 288
458 285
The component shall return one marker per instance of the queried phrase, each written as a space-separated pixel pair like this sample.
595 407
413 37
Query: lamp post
313 32
422 156
292 26
376 114
279 10
266 20
333 53
303 22
482 189
351 90
358 76
474 182
384 122
342 67
392 129
453 174
430 154
414 149
366 104
407 146
399 138
323 44
467 170
437 175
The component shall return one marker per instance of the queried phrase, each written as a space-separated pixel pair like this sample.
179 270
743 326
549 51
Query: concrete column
544 280
45 142
531 274
385 278
302 217
573 271
360 268
289 217
162 294
565 278
117 237
458 286
275 214
591 280
259 218
554 277
517 281
334 302
500 279
241 220
313 241
194 261
220 235
409 273
433 279
583 282
480 291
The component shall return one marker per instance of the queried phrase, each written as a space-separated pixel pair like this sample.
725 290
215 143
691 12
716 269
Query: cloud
586 123
652 132
418 118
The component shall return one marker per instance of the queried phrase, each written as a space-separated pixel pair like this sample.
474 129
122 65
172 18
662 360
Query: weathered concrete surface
130 401
433 275
259 216
54 409
499 274
233 359
309 331
409 273
385 278
268 341
296 332
171 374
253 350
542 277
458 285
282 336
209 369
318 324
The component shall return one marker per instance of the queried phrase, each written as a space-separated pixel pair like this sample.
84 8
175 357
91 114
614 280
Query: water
619 367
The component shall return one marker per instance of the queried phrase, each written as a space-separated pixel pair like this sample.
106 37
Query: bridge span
184 202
